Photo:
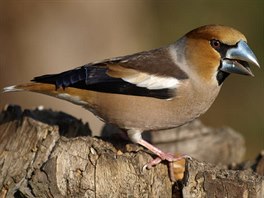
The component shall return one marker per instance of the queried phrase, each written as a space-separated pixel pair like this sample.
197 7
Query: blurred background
41 37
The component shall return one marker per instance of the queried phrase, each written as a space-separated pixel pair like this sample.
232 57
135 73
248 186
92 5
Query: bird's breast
146 113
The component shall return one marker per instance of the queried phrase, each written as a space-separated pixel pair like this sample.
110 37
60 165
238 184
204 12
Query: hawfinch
156 89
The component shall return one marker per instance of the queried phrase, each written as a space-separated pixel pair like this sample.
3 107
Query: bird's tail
71 94
11 89
34 87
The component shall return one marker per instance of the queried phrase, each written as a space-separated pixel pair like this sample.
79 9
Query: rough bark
225 145
51 154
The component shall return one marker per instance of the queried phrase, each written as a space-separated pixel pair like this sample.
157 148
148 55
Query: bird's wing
150 74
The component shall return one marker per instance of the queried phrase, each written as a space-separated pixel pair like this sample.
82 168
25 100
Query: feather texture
138 74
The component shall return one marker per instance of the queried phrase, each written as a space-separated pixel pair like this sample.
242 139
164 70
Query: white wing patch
152 81
143 79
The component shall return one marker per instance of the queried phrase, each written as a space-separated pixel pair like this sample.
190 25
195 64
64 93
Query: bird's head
215 51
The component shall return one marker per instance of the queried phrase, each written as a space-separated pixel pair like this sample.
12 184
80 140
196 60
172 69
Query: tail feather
34 87
71 94
11 89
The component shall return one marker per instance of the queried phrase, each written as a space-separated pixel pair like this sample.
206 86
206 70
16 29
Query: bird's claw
165 157
169 158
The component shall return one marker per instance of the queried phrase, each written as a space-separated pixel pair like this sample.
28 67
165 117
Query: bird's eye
215 44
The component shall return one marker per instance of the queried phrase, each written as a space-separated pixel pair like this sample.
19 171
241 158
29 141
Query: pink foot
165 157
135 136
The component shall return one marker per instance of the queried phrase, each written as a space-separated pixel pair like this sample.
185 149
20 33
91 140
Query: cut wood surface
51 154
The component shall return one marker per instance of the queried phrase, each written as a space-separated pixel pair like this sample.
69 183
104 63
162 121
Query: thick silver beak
237 59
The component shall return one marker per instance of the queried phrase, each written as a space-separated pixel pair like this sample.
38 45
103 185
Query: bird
158 89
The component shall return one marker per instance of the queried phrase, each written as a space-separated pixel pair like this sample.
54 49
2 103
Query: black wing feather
88 74
94 77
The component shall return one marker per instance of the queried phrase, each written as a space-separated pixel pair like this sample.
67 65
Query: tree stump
52 154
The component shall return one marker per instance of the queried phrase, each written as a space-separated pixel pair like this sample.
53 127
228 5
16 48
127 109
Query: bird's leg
161 155
135 136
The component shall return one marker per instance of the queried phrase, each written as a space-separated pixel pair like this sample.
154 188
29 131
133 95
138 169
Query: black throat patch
221 76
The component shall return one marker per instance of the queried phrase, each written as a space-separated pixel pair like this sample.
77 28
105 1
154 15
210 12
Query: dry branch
51 154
